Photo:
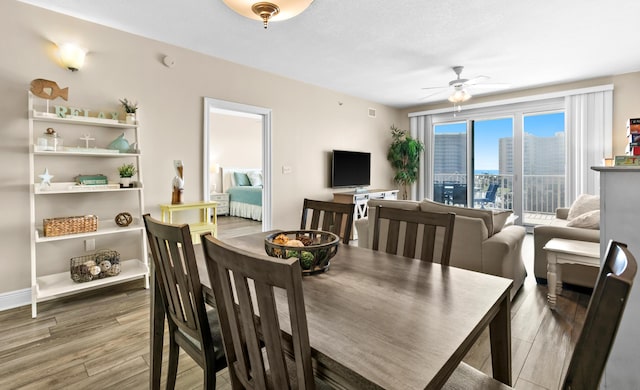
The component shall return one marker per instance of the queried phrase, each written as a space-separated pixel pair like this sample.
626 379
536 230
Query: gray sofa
481 241
574 274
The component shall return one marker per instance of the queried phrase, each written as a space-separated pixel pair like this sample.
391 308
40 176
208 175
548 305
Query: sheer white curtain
421 129
589 122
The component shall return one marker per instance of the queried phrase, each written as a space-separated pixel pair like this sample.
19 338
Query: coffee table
563 251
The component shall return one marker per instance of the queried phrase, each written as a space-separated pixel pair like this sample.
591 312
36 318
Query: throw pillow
485 215
499 219
583 204
255 177
588 220
241 179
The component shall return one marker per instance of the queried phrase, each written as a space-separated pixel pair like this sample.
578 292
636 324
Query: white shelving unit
47 284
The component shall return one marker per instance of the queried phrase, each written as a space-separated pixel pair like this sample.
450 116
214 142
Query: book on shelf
627 161
92 180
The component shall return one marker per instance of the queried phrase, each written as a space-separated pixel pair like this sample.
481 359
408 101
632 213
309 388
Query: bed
244 187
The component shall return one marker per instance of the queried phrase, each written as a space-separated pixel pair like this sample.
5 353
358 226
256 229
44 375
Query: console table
361 199
208 218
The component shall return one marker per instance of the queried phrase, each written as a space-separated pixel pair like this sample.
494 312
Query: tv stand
360 197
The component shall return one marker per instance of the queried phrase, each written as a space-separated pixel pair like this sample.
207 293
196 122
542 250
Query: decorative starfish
46 178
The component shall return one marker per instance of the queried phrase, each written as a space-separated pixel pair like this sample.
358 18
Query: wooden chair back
332 217
602 319
429 221
244 285
179 284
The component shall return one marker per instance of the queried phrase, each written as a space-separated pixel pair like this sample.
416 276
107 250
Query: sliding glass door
513 160
543 166
493 163
450 163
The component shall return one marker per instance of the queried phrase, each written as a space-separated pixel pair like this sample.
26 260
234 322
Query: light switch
90 245
286 169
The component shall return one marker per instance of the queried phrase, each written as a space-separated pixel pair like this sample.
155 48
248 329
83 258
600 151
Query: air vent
372 113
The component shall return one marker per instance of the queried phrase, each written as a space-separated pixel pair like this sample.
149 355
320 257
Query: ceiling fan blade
475 80
491 85
441 87
432 94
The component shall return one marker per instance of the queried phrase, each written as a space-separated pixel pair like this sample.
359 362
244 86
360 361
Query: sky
487 133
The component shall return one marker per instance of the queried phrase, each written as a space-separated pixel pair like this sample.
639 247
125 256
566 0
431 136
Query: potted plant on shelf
404 156
126 171
130 109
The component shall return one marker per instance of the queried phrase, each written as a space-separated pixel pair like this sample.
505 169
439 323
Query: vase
130 118
125 182
120 144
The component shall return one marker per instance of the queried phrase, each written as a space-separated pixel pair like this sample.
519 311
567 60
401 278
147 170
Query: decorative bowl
314 248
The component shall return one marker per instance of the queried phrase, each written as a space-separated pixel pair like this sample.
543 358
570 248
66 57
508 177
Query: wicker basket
69 225
99 265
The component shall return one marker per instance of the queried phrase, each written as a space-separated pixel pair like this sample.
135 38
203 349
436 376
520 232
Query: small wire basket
100 265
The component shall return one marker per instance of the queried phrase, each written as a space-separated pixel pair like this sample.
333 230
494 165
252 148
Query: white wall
308 122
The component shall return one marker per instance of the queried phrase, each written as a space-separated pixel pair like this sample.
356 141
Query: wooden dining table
380 321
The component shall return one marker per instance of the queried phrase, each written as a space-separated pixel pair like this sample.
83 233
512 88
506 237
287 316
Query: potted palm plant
126 171
404 156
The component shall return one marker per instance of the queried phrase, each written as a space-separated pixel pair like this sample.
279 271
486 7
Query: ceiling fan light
459 95
268 11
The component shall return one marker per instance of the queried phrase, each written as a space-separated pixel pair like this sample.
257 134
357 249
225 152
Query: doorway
237 138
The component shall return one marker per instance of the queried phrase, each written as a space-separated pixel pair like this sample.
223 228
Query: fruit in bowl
314 248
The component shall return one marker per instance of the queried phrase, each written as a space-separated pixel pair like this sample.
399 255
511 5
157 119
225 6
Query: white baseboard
14 299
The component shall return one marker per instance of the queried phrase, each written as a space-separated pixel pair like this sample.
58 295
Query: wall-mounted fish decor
48 89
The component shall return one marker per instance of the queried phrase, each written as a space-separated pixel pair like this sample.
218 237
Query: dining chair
598 333
332 217
191 327
429 223
244 286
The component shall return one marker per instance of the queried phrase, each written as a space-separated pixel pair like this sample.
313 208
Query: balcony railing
542 194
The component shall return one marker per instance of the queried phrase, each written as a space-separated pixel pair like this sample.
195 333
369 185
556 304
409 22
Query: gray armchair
571 273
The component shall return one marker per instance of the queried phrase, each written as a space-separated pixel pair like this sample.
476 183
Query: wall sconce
71 56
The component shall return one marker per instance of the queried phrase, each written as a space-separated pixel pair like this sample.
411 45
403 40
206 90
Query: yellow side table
208 218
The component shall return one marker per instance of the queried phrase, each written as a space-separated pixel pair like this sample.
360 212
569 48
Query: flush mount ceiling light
268 11
71 56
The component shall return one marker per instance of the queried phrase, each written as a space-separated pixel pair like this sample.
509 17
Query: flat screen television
350 169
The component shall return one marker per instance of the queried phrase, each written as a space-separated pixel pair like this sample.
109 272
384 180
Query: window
556 138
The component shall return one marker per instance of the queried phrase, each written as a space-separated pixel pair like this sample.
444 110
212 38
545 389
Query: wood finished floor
101 341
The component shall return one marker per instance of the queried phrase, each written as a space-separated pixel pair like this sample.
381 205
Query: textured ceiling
386 51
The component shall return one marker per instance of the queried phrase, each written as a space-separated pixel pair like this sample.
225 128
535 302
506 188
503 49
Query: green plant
404 156
127 170
129 107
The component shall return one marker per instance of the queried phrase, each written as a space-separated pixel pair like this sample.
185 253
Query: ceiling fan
460 87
